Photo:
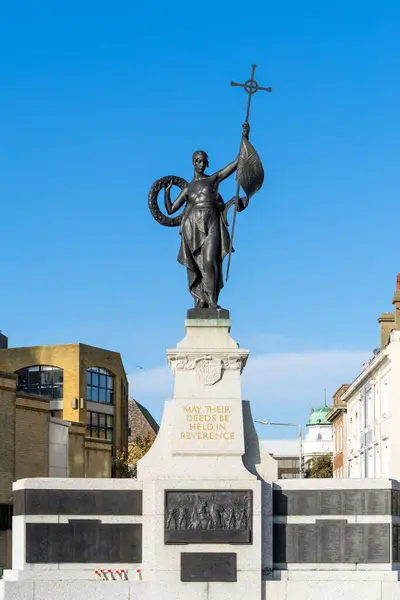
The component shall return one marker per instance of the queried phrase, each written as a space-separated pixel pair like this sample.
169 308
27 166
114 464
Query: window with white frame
377 404
377 472
385 397
368 409
362 414
369 463
385 458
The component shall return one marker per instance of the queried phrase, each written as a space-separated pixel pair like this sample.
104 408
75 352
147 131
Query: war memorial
206 518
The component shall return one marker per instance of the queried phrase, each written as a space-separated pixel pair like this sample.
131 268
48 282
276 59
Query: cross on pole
251 87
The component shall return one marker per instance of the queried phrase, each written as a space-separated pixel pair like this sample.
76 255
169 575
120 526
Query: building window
385 398
41 379
385 459
288 468
369 464
100 385
99 426
377 462
368 410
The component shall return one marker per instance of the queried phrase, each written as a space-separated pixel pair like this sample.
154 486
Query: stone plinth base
332 585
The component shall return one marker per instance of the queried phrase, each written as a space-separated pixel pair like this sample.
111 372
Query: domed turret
318 416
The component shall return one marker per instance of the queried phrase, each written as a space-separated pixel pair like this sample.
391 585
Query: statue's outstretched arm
178 203
226 171
231 168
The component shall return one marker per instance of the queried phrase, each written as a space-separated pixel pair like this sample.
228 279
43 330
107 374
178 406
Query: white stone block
330 574
247 586
323 590
81 590
16 590
58 456
390 590
276 590
58 432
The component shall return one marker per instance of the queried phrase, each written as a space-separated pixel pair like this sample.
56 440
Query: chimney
386 322
3 341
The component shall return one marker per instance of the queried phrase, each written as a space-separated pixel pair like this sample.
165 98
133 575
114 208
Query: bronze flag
250 172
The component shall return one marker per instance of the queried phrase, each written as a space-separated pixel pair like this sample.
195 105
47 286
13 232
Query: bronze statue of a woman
205 239
205 236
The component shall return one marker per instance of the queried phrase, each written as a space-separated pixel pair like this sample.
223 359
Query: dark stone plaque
353 502
353 543
209 566
208 517
329 540
397 505
334 541
302 543
333 502
83 541
377 543
279 543
304 502
394 498
377 502
395 543
78 502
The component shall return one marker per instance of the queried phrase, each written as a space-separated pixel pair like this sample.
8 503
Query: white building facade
373 416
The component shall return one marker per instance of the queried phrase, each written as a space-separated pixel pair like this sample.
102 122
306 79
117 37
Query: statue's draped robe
201 227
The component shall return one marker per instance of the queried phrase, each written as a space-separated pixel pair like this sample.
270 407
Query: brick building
83 384
336 416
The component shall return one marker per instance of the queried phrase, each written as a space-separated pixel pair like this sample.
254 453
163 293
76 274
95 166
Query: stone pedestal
203 423
196 466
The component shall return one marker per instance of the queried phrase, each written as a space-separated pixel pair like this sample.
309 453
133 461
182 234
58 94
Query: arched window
41 379
100 385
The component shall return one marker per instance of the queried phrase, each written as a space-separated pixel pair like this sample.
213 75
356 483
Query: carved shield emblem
209 370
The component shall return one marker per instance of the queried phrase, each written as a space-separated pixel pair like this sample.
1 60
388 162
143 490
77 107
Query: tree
320 467
126 462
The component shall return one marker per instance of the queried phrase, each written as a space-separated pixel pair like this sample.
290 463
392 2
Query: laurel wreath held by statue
159 216
153 200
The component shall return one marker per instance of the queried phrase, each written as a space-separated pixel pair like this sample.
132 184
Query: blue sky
98 100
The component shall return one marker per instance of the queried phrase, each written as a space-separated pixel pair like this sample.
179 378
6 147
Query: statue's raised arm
231 168
173 207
